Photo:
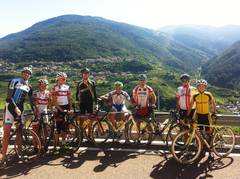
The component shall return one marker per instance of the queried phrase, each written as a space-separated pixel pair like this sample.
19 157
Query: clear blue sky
17 15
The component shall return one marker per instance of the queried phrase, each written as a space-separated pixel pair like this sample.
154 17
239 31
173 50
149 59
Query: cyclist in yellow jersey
204 102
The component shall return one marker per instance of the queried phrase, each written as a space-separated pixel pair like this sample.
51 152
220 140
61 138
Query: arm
31 99
94 92
11 89
190 106
70 100
213 105
153 98
54 100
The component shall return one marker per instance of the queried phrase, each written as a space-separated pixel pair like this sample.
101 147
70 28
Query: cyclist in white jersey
184 95
62 100
117 98
42 100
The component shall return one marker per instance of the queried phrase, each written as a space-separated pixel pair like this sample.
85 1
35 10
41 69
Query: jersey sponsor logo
61 93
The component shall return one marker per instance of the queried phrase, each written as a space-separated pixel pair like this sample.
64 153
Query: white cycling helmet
202 82
29 69
61 74
43 81
118 83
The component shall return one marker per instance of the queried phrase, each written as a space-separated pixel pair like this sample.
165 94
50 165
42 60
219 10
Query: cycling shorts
203 119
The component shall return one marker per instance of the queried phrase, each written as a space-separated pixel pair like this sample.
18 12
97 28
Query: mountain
209 40
74 37
224 70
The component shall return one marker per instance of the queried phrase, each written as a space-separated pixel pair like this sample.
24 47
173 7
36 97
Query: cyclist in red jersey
143 97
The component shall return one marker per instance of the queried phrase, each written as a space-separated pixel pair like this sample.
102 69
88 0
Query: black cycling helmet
142 77
85 70
185 76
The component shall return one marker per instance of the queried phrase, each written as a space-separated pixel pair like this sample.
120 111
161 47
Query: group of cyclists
191 103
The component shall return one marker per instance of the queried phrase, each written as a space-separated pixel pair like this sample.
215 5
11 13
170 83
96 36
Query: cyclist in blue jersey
18 89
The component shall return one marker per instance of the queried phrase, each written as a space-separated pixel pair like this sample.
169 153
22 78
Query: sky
17 15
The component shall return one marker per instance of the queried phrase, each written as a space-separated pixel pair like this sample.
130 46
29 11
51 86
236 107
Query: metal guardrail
223 119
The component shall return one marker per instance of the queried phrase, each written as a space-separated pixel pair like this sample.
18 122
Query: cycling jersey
184 94
86 91
202 101
17 91
61 92
41 100
141 95
118 100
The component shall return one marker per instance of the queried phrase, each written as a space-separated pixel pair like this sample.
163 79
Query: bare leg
5 142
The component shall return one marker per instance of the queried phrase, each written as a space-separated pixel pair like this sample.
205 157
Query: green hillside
74 37
224 70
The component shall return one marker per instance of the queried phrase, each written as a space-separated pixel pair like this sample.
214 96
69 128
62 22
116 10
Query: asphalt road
116 163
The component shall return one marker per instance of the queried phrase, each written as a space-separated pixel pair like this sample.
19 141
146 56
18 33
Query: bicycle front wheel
28 146
188 150
223 141
101 132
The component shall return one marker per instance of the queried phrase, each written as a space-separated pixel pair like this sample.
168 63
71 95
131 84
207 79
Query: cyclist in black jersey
86 92
18 89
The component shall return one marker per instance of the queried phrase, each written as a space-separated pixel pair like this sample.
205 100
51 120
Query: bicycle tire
74 137
101 132
223 141
186 153
30 148
143 136
173 130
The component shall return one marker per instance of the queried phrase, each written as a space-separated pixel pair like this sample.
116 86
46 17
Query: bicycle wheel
223 141
189 150
101 132
172 132
140 132
74 137
28 146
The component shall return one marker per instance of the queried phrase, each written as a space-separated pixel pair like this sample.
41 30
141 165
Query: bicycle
74 134
221 142
44 128
25 147
149 128
95 126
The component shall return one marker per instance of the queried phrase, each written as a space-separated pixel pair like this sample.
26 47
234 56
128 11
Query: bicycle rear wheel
28 146
74 137
173 131
190 147
223 141
101 132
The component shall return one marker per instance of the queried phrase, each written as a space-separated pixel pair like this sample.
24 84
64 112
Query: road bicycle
74 135
144 130
221 141
26 143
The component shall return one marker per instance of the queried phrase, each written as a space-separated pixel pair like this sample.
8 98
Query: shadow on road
171 169
113 159
78 160
17 168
